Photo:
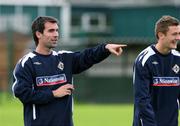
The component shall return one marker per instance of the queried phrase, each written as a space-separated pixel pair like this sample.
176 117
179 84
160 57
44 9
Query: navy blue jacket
36 75
156 82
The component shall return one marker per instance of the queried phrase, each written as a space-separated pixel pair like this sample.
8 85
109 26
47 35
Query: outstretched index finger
122 45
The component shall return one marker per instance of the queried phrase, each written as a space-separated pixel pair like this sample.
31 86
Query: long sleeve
23 86
144 114
88 57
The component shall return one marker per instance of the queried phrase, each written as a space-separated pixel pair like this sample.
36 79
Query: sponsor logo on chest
166 81
51 80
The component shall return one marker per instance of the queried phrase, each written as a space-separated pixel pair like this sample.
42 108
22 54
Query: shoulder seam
148 52
175 52
64 51
26 57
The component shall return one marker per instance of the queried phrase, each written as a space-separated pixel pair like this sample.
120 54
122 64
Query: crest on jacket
176 68
61 65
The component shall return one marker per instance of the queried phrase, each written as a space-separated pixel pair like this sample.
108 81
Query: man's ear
38 34
161 35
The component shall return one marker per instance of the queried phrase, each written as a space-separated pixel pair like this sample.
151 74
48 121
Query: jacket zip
141 122
34 108
34 112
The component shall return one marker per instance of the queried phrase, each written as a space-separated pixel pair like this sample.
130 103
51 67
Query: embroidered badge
61 66
37 63
155 62
176 68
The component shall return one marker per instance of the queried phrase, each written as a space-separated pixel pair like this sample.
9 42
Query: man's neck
162 49
43 51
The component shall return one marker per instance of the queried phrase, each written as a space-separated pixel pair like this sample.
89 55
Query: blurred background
85 23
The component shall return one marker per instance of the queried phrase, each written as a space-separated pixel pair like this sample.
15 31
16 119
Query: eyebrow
53 29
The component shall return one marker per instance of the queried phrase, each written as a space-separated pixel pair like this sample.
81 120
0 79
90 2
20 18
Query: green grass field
84 114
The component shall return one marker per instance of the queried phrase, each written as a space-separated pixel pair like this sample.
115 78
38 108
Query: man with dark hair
156 78
38 25
43 78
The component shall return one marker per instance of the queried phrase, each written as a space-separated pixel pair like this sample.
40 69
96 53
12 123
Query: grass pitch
103 115
11 114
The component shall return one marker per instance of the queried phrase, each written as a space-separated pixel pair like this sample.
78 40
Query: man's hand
63 90
115 48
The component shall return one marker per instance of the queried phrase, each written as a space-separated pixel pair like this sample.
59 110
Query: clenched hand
63 90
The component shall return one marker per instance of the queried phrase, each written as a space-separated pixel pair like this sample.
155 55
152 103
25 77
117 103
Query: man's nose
178 37
56 34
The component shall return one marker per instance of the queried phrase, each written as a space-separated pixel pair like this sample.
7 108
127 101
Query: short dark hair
38 25
162 25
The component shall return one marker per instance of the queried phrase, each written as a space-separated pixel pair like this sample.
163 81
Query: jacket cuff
106 50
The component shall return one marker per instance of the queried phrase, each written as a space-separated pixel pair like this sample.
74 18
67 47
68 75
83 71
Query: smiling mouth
55 40
174 42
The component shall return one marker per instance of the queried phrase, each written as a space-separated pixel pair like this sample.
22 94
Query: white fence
18 23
